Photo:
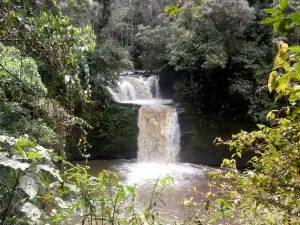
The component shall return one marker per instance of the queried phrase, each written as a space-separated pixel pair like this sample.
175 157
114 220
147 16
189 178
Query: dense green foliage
269 192
58 57
52 64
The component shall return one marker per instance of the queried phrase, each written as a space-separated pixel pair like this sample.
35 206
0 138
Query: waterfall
131 88
159 135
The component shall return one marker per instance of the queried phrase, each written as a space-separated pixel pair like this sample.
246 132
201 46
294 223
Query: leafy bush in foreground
34 191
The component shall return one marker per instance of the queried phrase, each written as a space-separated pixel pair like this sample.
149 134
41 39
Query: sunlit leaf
14 164
31 211
272 19
296 17
272 81
51 170
29 186
286 66
283 4
295 48
272 11
62 204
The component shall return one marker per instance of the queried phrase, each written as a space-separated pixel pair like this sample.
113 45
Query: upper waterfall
138 90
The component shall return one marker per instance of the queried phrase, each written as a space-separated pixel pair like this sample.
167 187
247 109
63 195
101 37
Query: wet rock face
114 133
197 141
167 80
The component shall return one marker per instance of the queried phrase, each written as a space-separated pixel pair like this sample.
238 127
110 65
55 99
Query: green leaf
279 96
272 19
24 144
294 48
226 203
130 189
291 75
162 182
219 201
297 67
284 81
35 155
100 176
295 17
283 4
276 26
227 213
272 81
281 58
261 126
272 11
286 66
51 170
172 10
296 111
295 96
271 115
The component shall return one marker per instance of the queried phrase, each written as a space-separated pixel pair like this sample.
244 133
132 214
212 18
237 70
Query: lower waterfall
159 134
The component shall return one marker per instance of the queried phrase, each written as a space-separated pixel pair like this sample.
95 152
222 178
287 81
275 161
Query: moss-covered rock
114 133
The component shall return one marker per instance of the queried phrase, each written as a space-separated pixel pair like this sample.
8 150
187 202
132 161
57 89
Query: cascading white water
134 88
159 134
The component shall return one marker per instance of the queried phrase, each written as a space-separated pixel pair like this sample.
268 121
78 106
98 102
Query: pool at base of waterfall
186 177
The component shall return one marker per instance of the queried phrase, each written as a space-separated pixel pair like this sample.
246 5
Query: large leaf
14 164
29 186
281 58
31 211
44 152
23 144
51 170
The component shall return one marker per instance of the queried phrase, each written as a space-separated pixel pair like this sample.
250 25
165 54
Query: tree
220 45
